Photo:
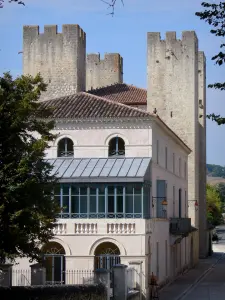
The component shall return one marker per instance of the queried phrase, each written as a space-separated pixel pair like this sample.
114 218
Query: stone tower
202 151
103 72
59 57
175 86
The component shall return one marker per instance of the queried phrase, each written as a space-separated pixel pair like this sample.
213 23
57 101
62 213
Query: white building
117 166
123 173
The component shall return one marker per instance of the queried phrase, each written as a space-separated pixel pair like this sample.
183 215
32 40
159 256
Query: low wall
133 295
61 292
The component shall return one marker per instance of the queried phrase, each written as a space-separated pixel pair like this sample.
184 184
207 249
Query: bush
54 292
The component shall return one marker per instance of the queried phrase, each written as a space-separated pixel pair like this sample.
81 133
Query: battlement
172 36
52 30
58 56
103 72
108 57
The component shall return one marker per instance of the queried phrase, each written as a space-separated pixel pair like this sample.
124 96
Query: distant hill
215 171
215 180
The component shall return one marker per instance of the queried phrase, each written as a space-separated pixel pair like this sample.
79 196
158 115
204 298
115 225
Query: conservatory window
103 201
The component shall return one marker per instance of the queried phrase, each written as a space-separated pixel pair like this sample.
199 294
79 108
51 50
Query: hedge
53 292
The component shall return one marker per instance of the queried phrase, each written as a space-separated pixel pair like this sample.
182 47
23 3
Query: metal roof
101 169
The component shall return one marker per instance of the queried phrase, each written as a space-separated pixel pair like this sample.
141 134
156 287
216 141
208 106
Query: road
209 275
212 286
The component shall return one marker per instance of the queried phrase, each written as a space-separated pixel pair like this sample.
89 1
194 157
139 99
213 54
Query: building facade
123 169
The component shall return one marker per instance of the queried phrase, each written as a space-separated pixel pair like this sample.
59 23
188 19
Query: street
212 286
206 281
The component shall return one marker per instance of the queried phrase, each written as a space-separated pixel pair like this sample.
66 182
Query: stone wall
59 57
60 292
176 83
103 72
173 91
203 236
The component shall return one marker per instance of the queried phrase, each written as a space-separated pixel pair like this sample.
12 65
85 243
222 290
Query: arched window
107 255
65 148
116 146
54 262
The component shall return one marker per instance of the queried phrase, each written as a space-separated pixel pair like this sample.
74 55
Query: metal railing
103 215
21 277
180 226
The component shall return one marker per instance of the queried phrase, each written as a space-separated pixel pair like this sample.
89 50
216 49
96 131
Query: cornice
126 123
103 120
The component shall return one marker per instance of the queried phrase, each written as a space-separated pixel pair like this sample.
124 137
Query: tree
220 187
27 207
214 15
213 202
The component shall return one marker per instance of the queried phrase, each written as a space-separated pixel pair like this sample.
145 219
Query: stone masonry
59 57
202 152
174 87
100 73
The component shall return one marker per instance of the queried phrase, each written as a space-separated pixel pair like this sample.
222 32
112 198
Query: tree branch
10 1
111 5
214 15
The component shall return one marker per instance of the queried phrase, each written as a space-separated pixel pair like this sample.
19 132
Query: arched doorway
107 255
54 261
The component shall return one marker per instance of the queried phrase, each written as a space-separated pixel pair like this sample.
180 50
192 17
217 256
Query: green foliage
214 206
221 190
27 211
215 170
214 15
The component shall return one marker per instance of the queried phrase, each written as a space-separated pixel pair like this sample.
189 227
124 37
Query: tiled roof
122 93
83 105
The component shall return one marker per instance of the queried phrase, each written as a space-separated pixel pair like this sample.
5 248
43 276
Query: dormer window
116 147
65 148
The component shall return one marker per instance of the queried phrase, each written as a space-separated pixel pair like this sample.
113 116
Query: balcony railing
104 215
116 153
102 226
180 226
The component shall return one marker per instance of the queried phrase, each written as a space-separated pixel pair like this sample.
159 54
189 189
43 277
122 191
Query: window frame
66 153
116 152
166 158
137 198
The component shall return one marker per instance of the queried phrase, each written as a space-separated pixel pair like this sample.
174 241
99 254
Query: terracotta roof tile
87 106
122 93
83 105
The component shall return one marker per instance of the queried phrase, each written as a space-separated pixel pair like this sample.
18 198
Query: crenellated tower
59 57
103 72
174 89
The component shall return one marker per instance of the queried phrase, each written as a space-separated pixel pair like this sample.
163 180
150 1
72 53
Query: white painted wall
91 140
172 177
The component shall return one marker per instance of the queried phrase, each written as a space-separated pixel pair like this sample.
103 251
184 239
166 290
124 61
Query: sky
124 33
